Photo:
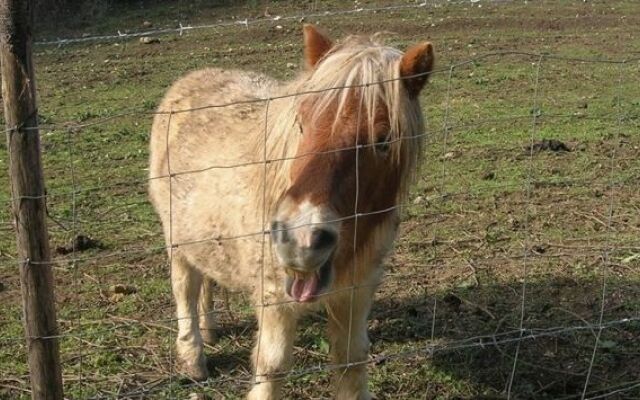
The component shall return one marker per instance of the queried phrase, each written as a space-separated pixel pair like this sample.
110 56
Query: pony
289 192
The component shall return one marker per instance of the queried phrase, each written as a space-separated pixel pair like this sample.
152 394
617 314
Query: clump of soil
553 145
79 243
489 176
119 291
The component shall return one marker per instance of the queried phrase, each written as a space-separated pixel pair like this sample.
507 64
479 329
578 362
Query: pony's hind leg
205 310
186 282
273 350
350 342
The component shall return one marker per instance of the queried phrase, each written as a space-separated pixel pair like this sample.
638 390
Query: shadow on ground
475 336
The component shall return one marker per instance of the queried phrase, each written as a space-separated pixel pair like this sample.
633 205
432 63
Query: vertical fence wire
611 243
171 249
354 266
535 112
74 242
257 378
446 128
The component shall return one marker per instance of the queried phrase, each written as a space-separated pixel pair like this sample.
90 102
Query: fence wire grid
516 268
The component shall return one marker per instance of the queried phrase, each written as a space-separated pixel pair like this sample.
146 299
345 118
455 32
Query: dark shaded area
61 18
475 340
554 351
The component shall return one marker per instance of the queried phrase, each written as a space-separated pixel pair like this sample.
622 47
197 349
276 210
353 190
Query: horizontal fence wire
246 22
239 236
469 62
78 127
480 341
181 29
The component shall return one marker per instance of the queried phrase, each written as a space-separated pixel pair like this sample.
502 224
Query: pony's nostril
279 232
322 238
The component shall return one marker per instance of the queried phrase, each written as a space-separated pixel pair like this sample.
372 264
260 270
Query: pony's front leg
206 311
273 350
350 341
186 282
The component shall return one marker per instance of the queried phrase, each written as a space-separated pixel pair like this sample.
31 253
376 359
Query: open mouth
305 288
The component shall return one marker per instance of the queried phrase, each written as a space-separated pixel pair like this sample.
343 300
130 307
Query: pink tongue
304 289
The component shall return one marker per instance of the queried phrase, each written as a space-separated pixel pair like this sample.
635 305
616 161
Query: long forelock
364 67
361 66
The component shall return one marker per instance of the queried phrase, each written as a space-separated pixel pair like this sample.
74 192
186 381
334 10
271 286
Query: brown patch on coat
325 171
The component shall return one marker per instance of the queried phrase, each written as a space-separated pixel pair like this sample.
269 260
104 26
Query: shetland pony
308 228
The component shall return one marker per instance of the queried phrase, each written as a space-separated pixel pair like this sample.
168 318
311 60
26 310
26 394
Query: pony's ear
418 59
316 45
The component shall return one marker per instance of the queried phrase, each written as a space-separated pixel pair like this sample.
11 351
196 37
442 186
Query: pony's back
197 137
194 114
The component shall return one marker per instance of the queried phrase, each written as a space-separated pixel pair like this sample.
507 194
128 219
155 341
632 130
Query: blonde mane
360 64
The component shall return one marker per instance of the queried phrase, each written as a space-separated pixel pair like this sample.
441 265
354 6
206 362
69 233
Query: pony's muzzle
322 239
305 248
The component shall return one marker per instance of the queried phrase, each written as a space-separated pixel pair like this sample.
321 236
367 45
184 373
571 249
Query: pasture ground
459 268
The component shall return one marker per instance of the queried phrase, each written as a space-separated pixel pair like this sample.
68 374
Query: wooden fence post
27 187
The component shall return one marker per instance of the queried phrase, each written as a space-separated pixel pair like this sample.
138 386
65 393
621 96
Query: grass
458 270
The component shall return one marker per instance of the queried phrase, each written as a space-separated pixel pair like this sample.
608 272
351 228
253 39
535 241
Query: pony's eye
383 145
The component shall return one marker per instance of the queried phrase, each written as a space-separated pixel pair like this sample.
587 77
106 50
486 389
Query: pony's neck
276 143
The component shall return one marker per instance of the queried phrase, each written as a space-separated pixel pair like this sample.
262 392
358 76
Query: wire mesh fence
515 274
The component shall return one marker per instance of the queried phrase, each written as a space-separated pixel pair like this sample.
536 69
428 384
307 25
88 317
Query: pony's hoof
209 336
197 371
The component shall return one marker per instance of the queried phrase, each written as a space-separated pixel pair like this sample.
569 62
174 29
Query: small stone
418 200
291 65
198 396
147 24
149 40
116 297
278 27
448 155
